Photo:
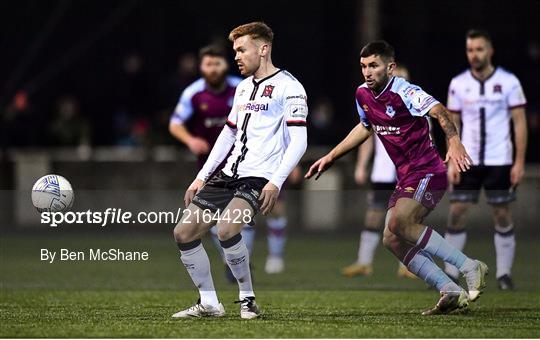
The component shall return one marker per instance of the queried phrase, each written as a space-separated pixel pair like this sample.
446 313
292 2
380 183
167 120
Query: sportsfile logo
119 216
109 216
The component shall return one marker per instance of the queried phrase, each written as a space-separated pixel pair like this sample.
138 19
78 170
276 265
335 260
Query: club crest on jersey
390 110
497 88
267 92
365 107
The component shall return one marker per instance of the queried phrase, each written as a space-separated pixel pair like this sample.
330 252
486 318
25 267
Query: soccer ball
52 193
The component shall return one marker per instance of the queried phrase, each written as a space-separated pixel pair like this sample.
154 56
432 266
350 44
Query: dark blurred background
102 73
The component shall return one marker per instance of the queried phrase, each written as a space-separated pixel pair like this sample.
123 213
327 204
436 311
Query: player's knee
457 210
181 234
397 223
225 232
388 239
501 215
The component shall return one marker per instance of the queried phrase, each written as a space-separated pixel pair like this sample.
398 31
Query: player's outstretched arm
456 151
454 176
365 151
356 137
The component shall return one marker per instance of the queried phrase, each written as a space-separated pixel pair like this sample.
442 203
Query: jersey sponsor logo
300 96
267 92
497 88
203 106
298 111
409 91
255 107
387 130
390 110
423 100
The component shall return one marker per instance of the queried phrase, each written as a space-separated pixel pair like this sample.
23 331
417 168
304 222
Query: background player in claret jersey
395 110
484 100
200 116
267 126
383 182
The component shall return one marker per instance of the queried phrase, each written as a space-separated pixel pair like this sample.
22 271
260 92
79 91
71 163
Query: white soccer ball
52 193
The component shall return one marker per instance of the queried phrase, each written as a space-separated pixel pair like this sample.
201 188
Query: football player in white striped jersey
485 99
267 127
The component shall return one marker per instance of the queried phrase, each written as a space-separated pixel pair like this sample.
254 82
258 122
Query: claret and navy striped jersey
397 116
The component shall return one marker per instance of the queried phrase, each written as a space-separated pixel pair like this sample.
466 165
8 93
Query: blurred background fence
154 179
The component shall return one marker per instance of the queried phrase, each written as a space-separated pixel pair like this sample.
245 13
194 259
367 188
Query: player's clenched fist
192 190
269 196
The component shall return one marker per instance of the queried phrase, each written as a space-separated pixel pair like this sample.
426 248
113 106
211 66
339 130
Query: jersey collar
389 84
265 78
483 81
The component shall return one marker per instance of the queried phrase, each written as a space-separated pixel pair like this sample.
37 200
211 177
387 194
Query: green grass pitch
118 299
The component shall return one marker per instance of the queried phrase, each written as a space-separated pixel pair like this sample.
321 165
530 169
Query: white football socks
505 248
369 240
198 266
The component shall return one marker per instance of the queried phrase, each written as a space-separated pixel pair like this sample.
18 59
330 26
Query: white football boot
198 310
249 308
449 302
274 265
476 280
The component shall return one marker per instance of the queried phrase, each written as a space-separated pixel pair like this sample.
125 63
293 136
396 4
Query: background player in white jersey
485 99
383 182
267 126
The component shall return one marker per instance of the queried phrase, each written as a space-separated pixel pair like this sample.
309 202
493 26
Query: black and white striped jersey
484 107
263 112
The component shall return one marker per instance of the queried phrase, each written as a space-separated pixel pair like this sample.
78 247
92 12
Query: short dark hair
478 33
256 30
380 48
212 51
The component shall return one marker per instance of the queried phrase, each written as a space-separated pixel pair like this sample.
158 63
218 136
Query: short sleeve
295 104
417 101
362 114
454 102
516 96
184 109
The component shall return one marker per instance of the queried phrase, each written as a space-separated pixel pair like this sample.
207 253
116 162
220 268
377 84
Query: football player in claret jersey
395 110
383 182
485 100
267 126
203 106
